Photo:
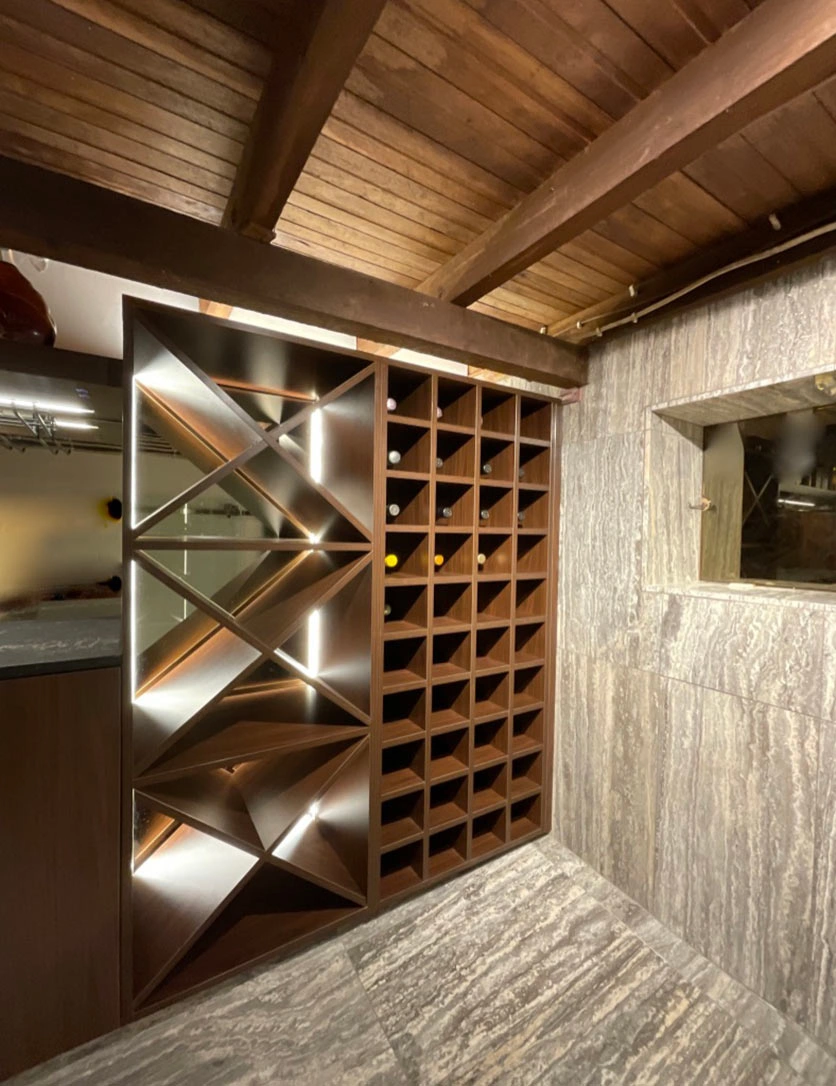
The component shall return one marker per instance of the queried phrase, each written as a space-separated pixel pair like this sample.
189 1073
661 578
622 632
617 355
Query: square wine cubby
535 419
401 820
490 788
408 448
493 600
452 604
493 649
489 832
532 508
453 505
455 454
526 774
404 609
534 465
529 687
531 599
499 412
491 694
532 554
404 663
526 817
496 507
527 731
404 716
450 704
496 460
402 769
401 869
496 554
490 742
529 643
449 756
448 803
407 555
456 403
450 656
453 554
409 394
447 850
407 502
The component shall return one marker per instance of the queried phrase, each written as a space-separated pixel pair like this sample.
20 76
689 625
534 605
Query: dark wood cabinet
59 862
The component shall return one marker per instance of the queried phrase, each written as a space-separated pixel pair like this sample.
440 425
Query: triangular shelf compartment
209 798
272 910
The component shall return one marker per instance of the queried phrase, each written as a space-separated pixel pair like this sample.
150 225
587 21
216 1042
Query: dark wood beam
309 67
777 52
52 215
790 223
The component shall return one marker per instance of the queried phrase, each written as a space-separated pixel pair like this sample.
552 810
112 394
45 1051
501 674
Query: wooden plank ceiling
454 111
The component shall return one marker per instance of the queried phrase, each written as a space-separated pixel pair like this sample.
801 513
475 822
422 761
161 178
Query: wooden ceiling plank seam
341 259
340 156
698 19
257 21
454 59
385 268
541 84
143 32
197 124
736 173
16 143
825 95
356 111
346 180
526 302
557 288
663 27
741 77
307 72
94 127
205 31
576 270
799 140
385 234
72 133
685 206
210 100
504 316
592 245
93 94
364 209
645 235
350 235
444 119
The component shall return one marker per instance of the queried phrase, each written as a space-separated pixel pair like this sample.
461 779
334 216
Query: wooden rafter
53 215
776 53
307 74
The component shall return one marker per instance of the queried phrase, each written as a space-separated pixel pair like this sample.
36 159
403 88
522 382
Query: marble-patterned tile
607 748
672 490
735 838
770 654
828 665
821 1015
306 1021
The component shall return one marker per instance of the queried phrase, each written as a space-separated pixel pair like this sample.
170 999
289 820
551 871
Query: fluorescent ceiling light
71 424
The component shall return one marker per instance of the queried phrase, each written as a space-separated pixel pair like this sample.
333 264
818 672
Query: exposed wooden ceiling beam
307 73
793 222
777 52
56 216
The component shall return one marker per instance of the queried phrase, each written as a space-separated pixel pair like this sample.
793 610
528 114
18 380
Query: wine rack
339 628
466 750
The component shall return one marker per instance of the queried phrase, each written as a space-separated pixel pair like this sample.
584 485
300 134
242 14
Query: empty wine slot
493 648
527 731
526 817
532 554
407 502
499 412
451 656
490 742
533 509
489 832
401 819
534 465
409 394
457 402
496 460
448 803
453 505
455 454
401 869
535 419
528 687
404 715
529 643
405 609
402 769
496 553
490 788
526 775
451 604
531 599
453 555
448 755
450 704
407 555
491 695
448 849
496 507
408 448
493 600
404 662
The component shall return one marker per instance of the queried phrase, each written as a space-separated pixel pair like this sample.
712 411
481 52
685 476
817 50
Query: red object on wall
24 316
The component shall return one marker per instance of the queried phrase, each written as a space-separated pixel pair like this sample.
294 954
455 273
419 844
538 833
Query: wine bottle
444 512
484 514
439 463
438 561
521 516
387 610
393 456
391 561
393 509
487 469
391 404
438 412
480 559
522 473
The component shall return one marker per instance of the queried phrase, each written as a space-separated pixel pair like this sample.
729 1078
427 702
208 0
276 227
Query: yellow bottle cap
390 561
439 560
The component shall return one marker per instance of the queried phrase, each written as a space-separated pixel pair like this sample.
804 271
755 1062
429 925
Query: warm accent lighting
315 458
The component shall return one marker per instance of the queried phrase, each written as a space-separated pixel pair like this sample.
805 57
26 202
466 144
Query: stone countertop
46 645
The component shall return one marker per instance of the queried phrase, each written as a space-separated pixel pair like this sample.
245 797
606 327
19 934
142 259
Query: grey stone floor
532 969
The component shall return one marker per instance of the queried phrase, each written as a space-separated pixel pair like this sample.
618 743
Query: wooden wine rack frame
270 799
